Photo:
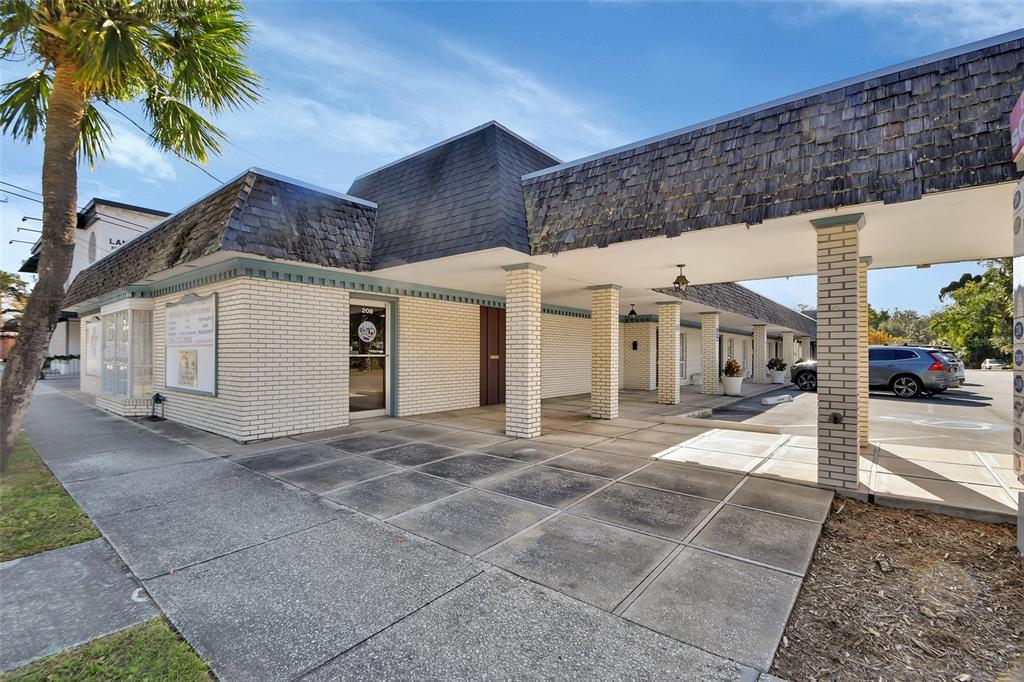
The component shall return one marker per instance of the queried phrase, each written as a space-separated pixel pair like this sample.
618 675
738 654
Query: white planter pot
778 376
732 385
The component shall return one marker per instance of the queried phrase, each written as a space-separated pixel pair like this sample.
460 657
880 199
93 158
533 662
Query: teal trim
210 274
598 287
625 319
838 220
672 302
867 260
562 310
523 266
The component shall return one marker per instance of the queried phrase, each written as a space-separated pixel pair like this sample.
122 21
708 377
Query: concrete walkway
65 597
268 580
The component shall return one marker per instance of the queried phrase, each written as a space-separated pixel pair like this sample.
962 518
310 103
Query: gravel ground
903 595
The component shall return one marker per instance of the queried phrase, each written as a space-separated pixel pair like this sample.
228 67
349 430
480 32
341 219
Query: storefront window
127 358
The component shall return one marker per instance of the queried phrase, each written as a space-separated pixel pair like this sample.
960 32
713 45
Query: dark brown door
492 356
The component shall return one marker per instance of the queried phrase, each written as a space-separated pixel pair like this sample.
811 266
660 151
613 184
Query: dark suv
907 371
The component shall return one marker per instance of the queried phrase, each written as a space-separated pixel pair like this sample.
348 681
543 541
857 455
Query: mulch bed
903 595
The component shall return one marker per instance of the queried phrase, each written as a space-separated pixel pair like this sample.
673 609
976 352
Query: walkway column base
709 360
842 350
668 352
522 350
604 351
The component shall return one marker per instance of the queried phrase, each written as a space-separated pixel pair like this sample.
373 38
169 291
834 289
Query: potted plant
732 377
777 370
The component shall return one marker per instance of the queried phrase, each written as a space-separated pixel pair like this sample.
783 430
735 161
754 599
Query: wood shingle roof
934 126
256 214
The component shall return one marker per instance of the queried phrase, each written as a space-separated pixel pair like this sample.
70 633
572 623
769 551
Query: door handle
494 357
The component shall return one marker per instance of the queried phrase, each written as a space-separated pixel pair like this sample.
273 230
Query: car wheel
906 386
807 381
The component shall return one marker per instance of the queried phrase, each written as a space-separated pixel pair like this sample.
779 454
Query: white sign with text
190 335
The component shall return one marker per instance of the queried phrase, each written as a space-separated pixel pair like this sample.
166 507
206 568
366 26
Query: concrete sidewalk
65 597
269 581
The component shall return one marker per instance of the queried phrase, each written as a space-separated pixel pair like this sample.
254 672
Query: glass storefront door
368 350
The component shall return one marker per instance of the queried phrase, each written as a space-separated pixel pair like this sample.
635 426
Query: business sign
1017 128
190 337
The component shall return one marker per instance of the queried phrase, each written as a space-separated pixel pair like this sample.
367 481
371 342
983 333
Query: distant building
103 227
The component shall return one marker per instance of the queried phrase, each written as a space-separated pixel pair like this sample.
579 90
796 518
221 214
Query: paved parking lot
976 416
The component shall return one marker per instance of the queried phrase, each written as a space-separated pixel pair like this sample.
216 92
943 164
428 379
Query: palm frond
181 129
15 26
202 44
95 136
23 106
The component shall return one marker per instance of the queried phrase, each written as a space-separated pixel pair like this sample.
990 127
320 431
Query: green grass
149 651
36 513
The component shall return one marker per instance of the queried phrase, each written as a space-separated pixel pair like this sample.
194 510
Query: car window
900 354
879 354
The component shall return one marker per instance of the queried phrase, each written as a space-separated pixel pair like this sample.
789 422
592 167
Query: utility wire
153 137
120 222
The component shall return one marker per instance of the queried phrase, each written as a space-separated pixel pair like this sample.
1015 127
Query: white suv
992 363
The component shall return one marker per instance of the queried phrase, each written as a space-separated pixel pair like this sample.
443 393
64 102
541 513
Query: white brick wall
523 351
842 354
438 356
604 357
637 367
565 355
282 360
668 353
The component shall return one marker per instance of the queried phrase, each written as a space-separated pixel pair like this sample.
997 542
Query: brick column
788 346
668 352
604 351
522 350
760 354
842 350
709 370
862 350
805 348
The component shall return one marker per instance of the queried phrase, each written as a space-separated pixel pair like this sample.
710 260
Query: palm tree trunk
57 249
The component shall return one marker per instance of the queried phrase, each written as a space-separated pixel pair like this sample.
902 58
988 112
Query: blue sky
351 86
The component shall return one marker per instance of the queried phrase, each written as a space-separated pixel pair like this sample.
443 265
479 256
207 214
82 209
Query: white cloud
927 21
132 151
380 99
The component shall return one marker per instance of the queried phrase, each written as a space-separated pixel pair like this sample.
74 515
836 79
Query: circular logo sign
1016 200
1018 407
1018 330
1017 437
1016 225
1018 383
367 331
1018 357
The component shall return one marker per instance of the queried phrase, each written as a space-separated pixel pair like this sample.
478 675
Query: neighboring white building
103 227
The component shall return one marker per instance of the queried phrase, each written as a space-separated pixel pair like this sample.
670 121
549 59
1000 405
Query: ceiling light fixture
680 283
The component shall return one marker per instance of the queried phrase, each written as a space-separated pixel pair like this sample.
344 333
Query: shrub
776 364
732 368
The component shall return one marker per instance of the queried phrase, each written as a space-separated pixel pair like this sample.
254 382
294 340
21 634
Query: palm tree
171 56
